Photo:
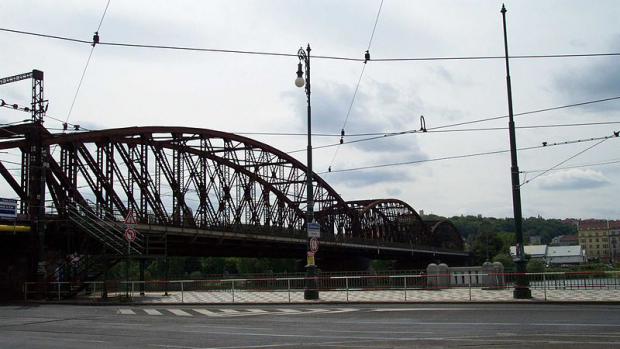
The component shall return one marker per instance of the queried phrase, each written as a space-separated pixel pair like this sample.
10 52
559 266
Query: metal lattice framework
200 178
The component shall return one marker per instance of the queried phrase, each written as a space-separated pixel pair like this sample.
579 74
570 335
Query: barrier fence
464 286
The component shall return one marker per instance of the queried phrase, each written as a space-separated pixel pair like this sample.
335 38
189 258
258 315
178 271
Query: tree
486 244
506 261
535 266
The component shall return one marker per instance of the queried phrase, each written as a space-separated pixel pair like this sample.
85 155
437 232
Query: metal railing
407 287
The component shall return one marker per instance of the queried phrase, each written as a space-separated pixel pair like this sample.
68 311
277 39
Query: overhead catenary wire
392 134
341 58
568 159
90 55
452 157
477 129
357 86
601 163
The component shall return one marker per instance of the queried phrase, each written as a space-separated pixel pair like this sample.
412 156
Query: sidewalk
453 295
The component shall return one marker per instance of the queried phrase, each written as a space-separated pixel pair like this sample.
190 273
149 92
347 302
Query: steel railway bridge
196 192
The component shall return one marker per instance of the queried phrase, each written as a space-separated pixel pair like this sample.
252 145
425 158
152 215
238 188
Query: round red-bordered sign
130 234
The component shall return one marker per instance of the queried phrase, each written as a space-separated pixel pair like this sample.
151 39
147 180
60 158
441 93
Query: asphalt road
312 326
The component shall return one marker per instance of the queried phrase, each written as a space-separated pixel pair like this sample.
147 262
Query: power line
467 155
265 53
88 60
357 86
291 134
375 26
77 91
566 160
103 16
392 134
609 162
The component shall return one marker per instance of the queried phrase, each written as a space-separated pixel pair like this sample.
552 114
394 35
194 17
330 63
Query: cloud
574 179
378 107
356 179
595 81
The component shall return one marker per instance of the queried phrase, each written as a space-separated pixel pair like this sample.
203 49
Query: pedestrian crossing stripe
227 312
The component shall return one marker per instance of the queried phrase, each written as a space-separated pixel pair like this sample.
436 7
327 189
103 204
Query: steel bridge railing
601 286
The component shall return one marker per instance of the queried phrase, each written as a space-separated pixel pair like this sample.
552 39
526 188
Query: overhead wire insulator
342 136
65 126
329 169
366 56
422 124
95 39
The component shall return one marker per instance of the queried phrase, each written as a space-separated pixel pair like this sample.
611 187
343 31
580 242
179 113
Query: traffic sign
131 218
130 234
314 230
314 244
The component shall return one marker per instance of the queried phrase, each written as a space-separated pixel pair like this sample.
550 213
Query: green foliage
535 266
485 245
506 260
546 228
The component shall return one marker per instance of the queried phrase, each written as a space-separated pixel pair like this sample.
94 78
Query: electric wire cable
602 163
566 160
469 155
333 135
357 86
341 58
392 134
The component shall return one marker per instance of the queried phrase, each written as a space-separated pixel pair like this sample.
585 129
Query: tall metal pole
304 56
37 172
522 289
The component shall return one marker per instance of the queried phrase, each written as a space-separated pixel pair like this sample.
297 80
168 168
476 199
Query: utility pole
37 172
522 289
33 170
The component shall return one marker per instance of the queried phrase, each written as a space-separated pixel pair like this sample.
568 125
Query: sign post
130 235
314 233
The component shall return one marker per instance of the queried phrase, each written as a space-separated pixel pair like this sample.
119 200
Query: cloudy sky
255 93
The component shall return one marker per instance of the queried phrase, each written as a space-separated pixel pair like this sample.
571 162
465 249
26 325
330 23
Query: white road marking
257 311
206 312
152 312
230 311
289 311
126 312
179 312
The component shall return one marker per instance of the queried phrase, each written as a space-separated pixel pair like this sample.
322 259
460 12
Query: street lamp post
522 289
310 291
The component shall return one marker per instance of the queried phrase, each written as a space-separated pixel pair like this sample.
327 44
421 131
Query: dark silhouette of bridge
198 192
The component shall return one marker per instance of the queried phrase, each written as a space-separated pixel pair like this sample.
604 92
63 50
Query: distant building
559 255
565 240
554 255
534 251
601 239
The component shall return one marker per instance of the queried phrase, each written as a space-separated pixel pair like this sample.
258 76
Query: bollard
233 290
405 286
181 291
288 286
545 285
346 282
59 291
469 286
